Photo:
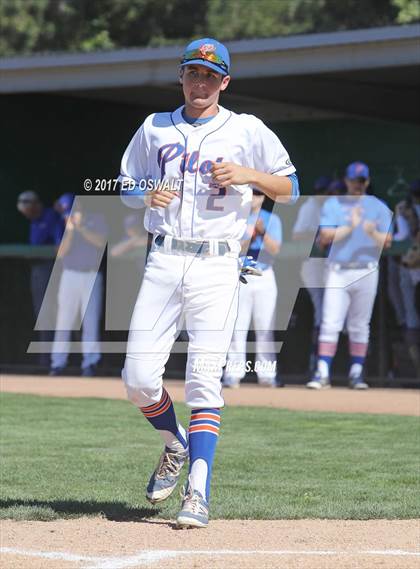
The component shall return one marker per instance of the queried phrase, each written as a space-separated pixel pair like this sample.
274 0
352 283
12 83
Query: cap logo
207 48
359 168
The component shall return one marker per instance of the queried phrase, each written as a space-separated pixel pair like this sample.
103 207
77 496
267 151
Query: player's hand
77 219
259 227
69 224
161 198
228 174
250 230
369 227
356 216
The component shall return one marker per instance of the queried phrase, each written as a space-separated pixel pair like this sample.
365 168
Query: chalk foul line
154 556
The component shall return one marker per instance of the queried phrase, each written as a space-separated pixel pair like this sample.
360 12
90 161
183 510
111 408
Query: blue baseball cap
65 203
357 170
208 52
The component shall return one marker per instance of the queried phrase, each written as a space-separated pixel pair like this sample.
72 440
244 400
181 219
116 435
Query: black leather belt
193 247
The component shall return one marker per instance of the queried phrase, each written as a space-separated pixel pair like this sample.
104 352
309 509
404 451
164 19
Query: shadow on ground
50 510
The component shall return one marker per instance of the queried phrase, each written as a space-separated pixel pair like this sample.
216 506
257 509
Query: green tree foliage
234 19
22 25
85 25
28 26
408 11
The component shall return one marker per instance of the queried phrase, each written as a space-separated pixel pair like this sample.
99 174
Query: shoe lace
193 503
168 464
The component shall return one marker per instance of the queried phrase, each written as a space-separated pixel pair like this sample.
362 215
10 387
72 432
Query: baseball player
132 239
407 221
357 227
81 285
216 157
46 228
307 222
257 299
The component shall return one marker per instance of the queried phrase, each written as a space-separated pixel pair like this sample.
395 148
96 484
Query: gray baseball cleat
194 510
358 382
318 382
267 382
231 383
165 478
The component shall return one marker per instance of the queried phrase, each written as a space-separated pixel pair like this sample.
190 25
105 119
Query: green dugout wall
52 143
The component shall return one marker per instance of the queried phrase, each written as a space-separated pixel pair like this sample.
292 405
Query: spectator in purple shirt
46 228
81 285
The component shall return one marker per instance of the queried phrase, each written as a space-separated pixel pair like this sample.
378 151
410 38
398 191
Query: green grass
65 458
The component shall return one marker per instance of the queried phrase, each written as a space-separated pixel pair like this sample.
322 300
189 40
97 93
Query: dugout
332 98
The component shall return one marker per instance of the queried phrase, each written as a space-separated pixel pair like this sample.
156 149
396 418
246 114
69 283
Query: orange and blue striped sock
162 416
358 351
203 433
326 353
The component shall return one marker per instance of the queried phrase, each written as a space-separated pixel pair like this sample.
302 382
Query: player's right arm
333 227
127 245
134 170
134 174
160 198
67 239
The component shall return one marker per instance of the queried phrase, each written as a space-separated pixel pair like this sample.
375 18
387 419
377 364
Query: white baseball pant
203 291
351 293
257 301
78 291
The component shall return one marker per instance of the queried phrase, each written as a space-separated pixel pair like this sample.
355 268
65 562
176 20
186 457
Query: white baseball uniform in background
201 288
307 220
257 302
81 289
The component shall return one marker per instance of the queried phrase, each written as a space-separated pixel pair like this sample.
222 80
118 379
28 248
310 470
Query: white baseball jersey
167 148
200 290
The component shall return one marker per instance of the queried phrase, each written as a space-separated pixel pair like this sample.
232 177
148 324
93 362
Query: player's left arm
96 238
269 168
272 235
383 239
278 188
380 229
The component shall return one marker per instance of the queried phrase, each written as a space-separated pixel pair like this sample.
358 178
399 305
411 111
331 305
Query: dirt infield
96 543
303 544
340 400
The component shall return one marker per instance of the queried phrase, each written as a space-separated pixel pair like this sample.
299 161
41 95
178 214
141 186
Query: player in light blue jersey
357 227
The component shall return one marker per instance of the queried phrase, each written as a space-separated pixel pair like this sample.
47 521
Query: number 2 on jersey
219 194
